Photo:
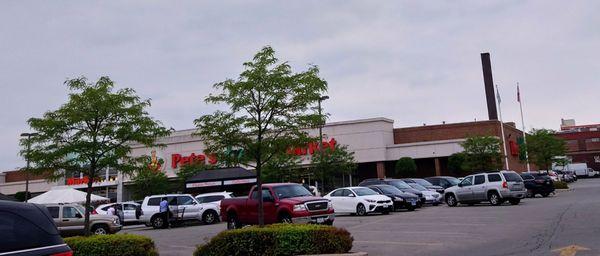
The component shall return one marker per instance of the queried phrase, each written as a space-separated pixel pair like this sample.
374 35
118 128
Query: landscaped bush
560 185
278 239
108 245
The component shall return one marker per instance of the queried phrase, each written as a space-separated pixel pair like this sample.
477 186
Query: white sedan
359 200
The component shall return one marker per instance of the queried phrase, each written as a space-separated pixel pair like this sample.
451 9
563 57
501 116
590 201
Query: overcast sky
414 62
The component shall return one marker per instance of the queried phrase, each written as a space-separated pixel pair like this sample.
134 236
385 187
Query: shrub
278 239
105 245
406 167
560 185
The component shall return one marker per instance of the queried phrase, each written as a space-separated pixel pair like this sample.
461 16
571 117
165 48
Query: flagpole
502 128
523 123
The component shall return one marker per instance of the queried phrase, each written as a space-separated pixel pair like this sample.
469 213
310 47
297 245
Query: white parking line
399 243
414 232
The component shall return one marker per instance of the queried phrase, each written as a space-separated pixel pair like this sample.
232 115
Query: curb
562 190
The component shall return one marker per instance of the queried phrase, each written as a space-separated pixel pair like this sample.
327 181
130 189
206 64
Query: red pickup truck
282 202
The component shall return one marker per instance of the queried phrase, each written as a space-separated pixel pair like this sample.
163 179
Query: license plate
320 220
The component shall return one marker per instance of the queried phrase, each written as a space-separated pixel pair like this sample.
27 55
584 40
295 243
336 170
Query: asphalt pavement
540 226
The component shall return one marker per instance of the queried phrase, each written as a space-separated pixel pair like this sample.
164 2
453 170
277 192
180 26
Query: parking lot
535 227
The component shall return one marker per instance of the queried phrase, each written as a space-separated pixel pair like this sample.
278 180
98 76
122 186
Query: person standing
111 211
164 211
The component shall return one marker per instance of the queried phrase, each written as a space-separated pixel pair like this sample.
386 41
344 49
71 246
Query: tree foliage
267 107
331 163
406 167
482 153
92 131
543 147
147 182
456 162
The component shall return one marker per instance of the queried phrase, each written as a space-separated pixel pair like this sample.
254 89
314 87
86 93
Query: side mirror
77 215
351 195
460 184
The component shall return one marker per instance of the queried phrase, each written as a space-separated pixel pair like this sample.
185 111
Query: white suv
495 187
183 207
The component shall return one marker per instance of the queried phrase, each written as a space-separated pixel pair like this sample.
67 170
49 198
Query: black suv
28 229
537 183
401 199
399 184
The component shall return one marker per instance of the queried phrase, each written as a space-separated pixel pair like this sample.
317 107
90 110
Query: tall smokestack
489 86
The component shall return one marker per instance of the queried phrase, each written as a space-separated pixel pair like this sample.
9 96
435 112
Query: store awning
221 177
65 195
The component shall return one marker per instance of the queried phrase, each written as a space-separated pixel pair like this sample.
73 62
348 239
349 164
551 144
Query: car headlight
370 200
329 205
299 208
398 199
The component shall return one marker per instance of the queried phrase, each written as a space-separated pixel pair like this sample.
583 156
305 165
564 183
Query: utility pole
322 98
28 135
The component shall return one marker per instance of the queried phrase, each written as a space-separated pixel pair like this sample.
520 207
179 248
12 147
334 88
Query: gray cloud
410 61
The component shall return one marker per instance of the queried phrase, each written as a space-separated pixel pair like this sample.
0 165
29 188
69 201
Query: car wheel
494 199
285 218
451 200
514 201
232 222
361 210
210 217
100 230
157 222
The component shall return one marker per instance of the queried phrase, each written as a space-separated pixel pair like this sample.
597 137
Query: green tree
456 162
268 105
283 167
482 153
22 195
147 182
543 147
331 163
92 131
406 167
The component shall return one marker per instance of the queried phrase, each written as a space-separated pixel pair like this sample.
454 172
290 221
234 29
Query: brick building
583 142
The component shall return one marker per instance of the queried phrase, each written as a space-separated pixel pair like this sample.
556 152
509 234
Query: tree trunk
261 210
88 199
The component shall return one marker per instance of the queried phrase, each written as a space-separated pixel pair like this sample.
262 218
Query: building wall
583 144
446 139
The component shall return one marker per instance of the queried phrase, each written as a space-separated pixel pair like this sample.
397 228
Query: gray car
495 187
70 221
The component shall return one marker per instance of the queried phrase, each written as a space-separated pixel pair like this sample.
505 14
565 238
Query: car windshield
423 182
417 186
511 176
364 191
453 181
80 209
399 184
288 191
390 189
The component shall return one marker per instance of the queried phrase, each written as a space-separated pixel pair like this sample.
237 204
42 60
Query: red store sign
178 159
312 147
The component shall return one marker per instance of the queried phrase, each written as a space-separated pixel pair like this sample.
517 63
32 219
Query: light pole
28 135
322 98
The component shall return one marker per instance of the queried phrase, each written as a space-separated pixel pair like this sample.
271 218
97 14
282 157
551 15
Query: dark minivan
27 230
537 183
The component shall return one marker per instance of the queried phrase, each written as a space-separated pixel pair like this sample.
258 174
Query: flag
498 95
518 94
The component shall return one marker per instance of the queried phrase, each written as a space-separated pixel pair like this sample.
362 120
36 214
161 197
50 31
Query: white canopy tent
64 195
